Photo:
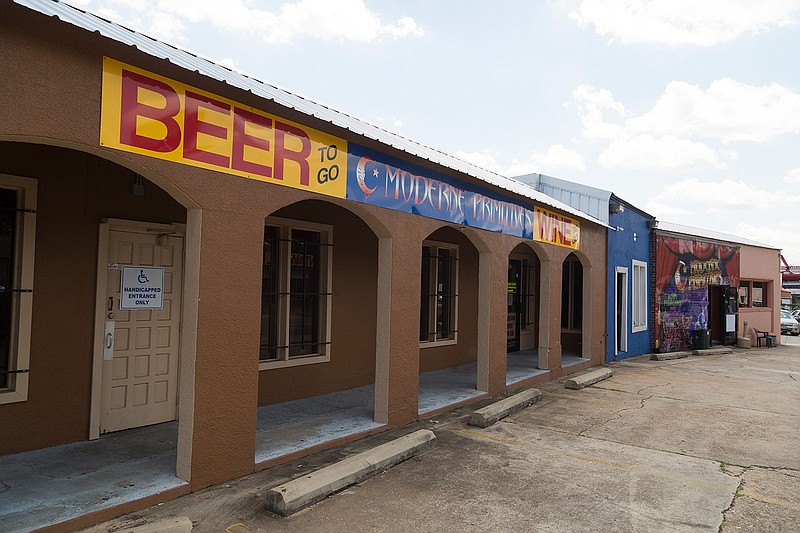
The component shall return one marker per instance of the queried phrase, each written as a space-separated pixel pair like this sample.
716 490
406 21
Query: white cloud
731 197
683 22
664 211
669 135
592 103
782 236
343 20
728 110
793 176
557 156
642 152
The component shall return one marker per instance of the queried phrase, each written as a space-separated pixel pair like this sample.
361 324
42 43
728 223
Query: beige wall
52 75
75 191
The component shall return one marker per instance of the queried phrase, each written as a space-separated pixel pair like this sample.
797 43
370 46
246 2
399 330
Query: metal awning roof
206 67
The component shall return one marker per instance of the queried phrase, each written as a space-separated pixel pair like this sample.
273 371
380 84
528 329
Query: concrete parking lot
708 443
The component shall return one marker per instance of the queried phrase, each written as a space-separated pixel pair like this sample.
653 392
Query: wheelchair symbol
142 278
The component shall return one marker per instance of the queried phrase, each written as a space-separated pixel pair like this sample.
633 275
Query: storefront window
438 294
295 301
17 233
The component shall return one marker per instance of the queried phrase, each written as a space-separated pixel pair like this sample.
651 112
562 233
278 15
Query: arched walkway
93 218
319 350
575 309
524 303
451 355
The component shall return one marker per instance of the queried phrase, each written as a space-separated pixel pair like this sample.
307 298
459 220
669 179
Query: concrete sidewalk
698 444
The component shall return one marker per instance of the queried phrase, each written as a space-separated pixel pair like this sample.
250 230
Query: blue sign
377 179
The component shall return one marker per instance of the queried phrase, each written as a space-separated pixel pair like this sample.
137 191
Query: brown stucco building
260 289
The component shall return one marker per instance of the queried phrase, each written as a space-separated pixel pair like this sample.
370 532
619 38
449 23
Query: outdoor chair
768 338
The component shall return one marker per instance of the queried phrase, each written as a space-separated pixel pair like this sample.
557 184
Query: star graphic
375 172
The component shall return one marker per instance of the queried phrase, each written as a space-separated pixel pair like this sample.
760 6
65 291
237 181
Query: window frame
746 286
22 308
285 227
764 286
639 314
433 275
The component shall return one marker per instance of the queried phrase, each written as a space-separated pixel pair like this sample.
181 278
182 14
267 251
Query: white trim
639 297
285 227
621 337
434 276
22 307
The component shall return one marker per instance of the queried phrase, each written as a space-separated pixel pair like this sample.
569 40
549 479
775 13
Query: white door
139 385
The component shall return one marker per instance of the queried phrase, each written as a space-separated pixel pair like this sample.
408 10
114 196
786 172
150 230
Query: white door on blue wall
621 311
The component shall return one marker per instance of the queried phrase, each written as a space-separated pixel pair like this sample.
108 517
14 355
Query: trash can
701 339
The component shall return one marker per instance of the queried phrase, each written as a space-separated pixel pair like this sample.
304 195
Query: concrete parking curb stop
713 351
490 414
590 378
669 356
294 495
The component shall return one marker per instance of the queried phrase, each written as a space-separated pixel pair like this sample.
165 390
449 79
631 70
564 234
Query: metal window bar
434 317
17 210
530 286
4 290
20 371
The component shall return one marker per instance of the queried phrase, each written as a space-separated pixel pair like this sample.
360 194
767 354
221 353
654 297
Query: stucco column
400 374
551 321
492 322
225 371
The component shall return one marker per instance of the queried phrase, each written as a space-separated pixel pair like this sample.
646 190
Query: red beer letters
284 150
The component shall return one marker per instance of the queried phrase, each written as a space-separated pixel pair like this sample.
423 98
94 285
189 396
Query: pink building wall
761 264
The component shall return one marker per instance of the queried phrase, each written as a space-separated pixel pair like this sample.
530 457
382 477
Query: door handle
108 341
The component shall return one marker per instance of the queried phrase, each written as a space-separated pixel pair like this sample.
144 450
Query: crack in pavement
617 415
653 386
736 494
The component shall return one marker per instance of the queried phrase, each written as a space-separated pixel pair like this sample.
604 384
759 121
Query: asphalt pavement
707 443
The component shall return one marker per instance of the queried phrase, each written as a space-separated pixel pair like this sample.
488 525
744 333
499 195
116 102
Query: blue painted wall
622 250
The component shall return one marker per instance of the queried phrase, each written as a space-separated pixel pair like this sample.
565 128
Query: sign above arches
148 114
151 115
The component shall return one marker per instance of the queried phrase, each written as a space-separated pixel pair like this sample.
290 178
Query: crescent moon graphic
361 174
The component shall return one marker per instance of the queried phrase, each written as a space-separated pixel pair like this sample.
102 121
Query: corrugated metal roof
709 234
206 67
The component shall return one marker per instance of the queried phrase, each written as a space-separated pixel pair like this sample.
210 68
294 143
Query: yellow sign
553 228
148 114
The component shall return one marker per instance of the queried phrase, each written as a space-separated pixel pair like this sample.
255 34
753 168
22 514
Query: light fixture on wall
138 186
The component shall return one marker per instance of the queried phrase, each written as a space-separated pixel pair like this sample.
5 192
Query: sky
689 110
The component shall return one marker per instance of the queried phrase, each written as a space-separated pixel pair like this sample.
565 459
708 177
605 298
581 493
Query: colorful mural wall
685 269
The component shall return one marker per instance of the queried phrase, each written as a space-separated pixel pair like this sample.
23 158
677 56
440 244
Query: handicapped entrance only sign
142 287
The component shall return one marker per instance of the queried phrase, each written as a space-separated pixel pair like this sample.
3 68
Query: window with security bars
438 293
295 294
639 296
17 232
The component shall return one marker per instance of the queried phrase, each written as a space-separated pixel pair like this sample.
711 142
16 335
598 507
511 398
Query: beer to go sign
148 114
